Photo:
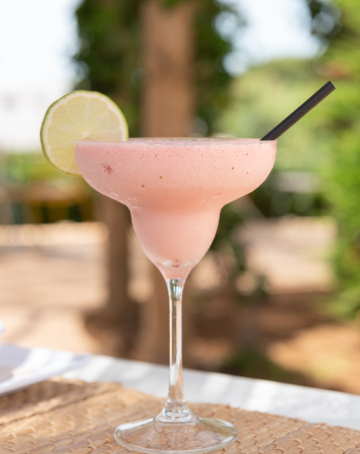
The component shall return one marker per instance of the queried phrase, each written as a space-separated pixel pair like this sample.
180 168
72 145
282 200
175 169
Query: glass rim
179 140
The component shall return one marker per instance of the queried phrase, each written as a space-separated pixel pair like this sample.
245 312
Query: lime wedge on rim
79 115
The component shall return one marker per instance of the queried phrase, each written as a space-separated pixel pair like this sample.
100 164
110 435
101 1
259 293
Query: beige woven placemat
70 417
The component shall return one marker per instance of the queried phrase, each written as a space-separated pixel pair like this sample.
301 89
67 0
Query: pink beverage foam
175 188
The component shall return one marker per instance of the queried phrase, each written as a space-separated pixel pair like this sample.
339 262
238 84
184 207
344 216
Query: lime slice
76 116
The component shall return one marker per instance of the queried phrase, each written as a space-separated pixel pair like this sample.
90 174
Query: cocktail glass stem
175 430
175 409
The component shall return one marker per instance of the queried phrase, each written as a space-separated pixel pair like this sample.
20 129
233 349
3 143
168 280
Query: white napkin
20 367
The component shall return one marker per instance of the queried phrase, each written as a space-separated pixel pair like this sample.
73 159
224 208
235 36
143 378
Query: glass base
197 436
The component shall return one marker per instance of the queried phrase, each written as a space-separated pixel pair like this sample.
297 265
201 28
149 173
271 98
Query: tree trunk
117 217
168 46
168 107
115 322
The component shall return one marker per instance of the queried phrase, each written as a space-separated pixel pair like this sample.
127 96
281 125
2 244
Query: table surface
309 404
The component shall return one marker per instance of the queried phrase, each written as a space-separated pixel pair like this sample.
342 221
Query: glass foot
197 436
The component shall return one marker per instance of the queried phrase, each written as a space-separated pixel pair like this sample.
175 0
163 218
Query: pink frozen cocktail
175 189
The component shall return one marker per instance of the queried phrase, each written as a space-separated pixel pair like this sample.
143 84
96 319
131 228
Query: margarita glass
175 189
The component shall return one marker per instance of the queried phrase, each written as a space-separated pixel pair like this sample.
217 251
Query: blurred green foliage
24 168
341 62
108 59
255 363
230 219
38 193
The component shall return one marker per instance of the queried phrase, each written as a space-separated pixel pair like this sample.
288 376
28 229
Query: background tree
125 53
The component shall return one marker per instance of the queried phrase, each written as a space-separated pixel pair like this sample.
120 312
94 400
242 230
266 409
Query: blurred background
278 294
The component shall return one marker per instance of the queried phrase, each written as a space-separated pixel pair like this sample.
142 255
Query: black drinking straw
294 117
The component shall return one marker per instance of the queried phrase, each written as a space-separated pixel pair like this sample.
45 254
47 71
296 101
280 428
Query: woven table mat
73 417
